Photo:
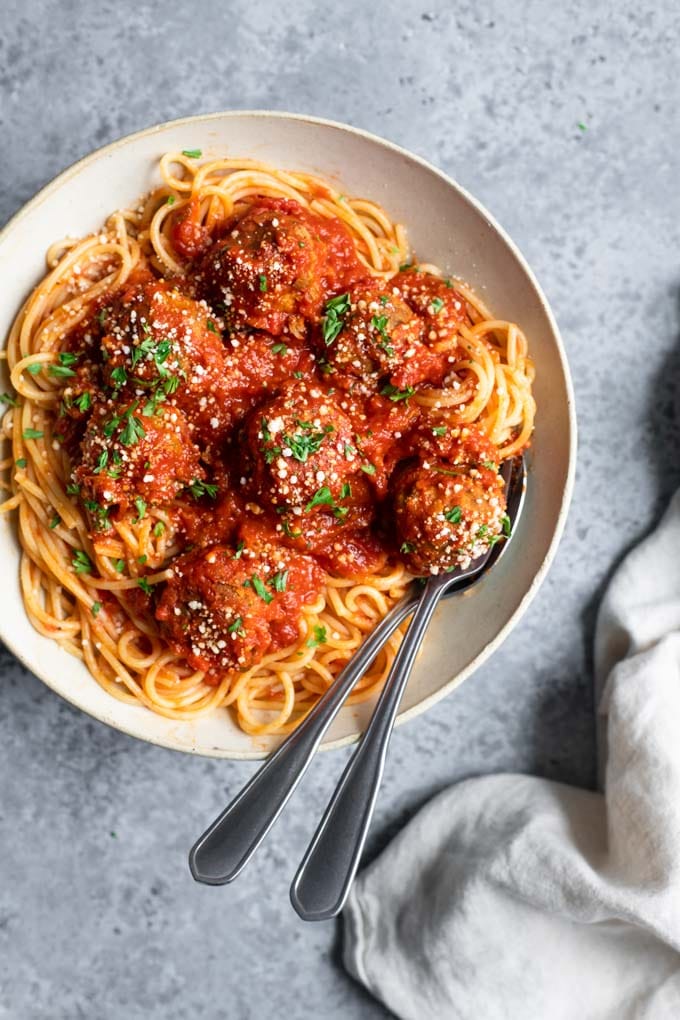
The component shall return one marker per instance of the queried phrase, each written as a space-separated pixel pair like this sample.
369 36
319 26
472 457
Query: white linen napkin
515 898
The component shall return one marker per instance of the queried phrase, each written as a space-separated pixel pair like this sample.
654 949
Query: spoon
224 849
325 876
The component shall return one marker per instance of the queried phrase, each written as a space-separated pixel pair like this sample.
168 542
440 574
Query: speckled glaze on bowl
445 226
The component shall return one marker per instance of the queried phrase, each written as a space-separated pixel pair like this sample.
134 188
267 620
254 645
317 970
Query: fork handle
227 845
323 880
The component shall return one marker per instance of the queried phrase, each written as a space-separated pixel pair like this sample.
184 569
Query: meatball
445 517
128 455
378 333
301 452
257 365
267 271
435 299
438 435
167 345
224 609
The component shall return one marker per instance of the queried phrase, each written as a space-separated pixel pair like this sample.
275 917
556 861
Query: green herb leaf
33 434
73 490
22 462
333 320
261 590
170 200
436 304
8 399
36 367
395 394
83 402
507 525
119 377
454 515
198 489
280 349
56 520
319 638
368 468
95 608
192 153
279 581
322 497
158 529
101 462
141 509
297 375
345 491
81 562
67 358
236 627
61 371
145 586
406 547
489 464
263 282
132 432
239 550
211 326
439 430
482 531
118 566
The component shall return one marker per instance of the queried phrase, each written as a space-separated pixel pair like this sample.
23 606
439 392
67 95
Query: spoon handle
324 878
227 845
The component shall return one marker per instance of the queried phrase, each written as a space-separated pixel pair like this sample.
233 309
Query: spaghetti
244 385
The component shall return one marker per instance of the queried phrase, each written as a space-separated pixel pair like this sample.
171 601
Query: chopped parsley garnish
141 509
211 326
333 321
35 368
102 462
83 402
436 304
81 562
118 377
263 282
319 638
482 531
350 450
73 490
507 525
384 299
302 445
22 462
406 547
279 581
439 430
379 323
144 585
198 489
581 126
297 375
236 627
8 399
61 371
33 434
260 589
280 349
288 531
102 316
368 468
142 559
118 566
322 497
170 200
95 609
489 464
56 520
192 153
448 283
396 394
158 529
454 515
66 358
133 430
345 491
404 266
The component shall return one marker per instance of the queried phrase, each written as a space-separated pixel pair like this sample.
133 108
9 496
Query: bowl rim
405 715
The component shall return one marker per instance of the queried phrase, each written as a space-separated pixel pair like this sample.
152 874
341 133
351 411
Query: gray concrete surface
98 915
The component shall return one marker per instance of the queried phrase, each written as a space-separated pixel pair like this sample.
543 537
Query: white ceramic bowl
445 226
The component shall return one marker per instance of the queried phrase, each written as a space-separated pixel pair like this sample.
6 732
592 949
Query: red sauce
278 431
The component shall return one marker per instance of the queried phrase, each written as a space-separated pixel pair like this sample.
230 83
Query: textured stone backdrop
99 917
